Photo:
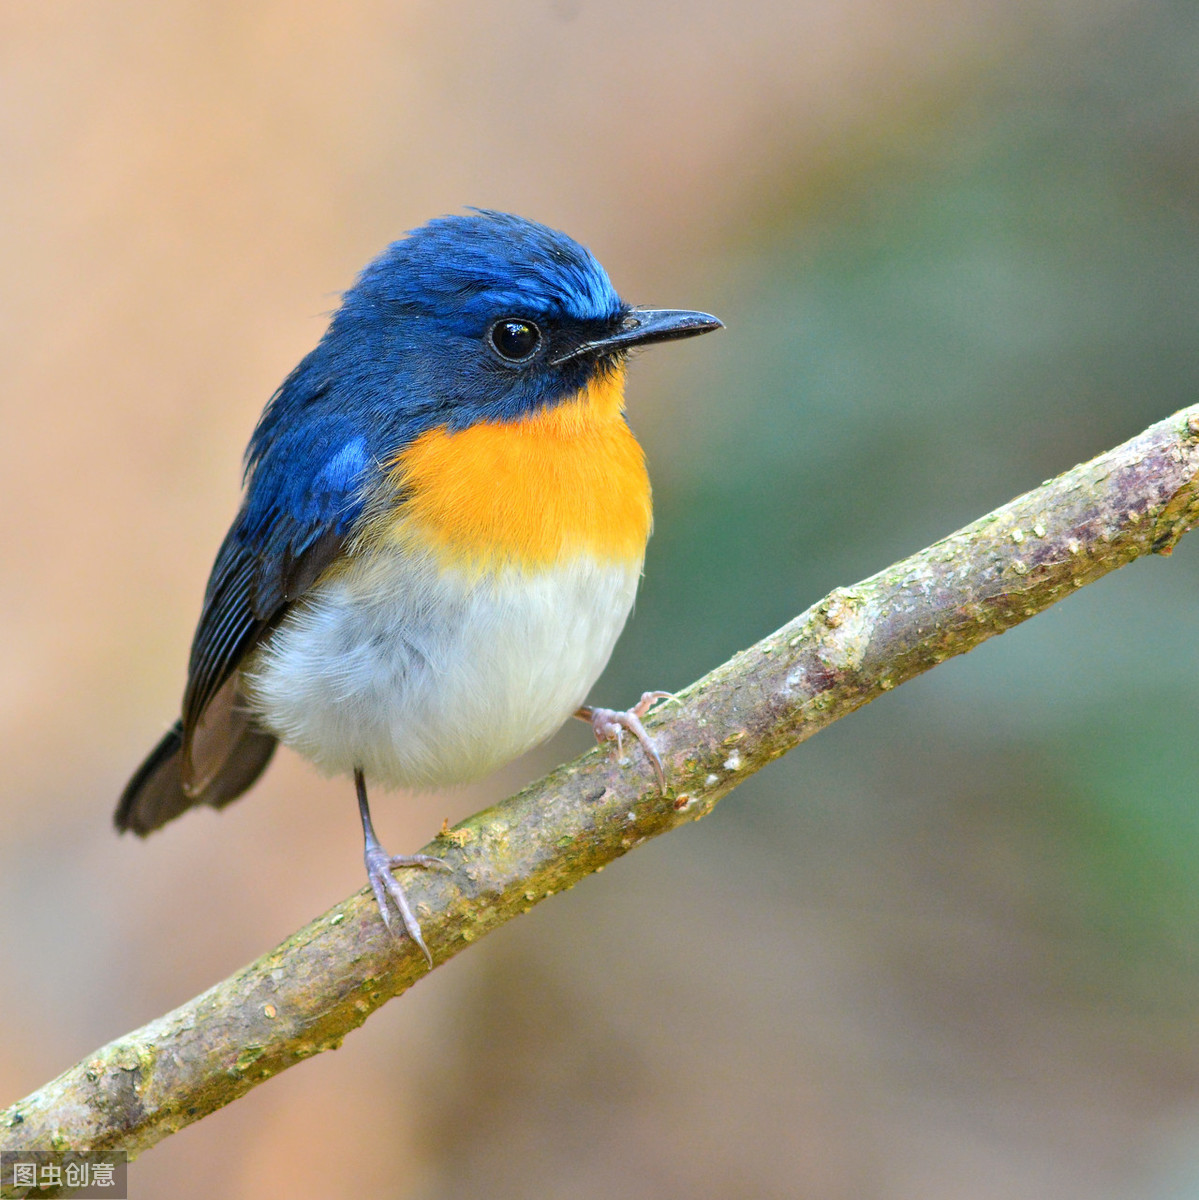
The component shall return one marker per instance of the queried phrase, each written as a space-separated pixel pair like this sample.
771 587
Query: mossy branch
856 643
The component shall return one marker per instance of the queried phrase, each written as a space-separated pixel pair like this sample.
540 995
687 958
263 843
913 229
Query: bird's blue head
472 313
485 316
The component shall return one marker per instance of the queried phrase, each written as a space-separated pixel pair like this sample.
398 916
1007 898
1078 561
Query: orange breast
526 493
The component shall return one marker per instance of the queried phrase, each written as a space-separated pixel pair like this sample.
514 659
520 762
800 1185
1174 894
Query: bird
442 530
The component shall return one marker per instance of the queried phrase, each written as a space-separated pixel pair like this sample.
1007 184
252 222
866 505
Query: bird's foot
379 865
610 724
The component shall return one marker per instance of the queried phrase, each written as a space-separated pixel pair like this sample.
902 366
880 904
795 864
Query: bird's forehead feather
492 262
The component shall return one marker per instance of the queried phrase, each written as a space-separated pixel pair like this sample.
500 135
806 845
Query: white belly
424 677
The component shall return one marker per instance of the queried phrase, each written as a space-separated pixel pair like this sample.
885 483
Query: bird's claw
379 865
610 724
429 861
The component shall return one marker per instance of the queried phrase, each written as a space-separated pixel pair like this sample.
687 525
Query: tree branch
856 643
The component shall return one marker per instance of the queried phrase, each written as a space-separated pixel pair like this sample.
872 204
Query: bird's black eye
514 339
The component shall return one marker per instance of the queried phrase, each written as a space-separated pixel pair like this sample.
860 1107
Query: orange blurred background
878 972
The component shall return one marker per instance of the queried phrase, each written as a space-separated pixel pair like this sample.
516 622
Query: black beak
642 327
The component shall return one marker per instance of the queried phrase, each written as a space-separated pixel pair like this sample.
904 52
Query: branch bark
858 642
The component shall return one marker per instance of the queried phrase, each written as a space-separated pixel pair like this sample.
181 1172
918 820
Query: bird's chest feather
470 619
567 480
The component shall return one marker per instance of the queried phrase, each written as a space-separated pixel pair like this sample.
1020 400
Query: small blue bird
444 523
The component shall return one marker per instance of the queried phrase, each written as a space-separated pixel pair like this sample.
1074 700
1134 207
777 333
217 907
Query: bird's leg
379 865
610 724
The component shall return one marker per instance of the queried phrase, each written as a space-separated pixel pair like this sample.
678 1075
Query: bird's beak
643 326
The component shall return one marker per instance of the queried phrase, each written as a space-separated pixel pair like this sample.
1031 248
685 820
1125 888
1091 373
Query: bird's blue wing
304 493
308 470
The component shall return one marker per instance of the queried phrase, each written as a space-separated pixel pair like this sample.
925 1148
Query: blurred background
956 246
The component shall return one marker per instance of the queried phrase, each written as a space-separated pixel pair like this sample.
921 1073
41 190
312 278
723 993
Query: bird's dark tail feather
155 794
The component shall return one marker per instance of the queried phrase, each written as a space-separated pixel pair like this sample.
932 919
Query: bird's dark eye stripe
515 339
